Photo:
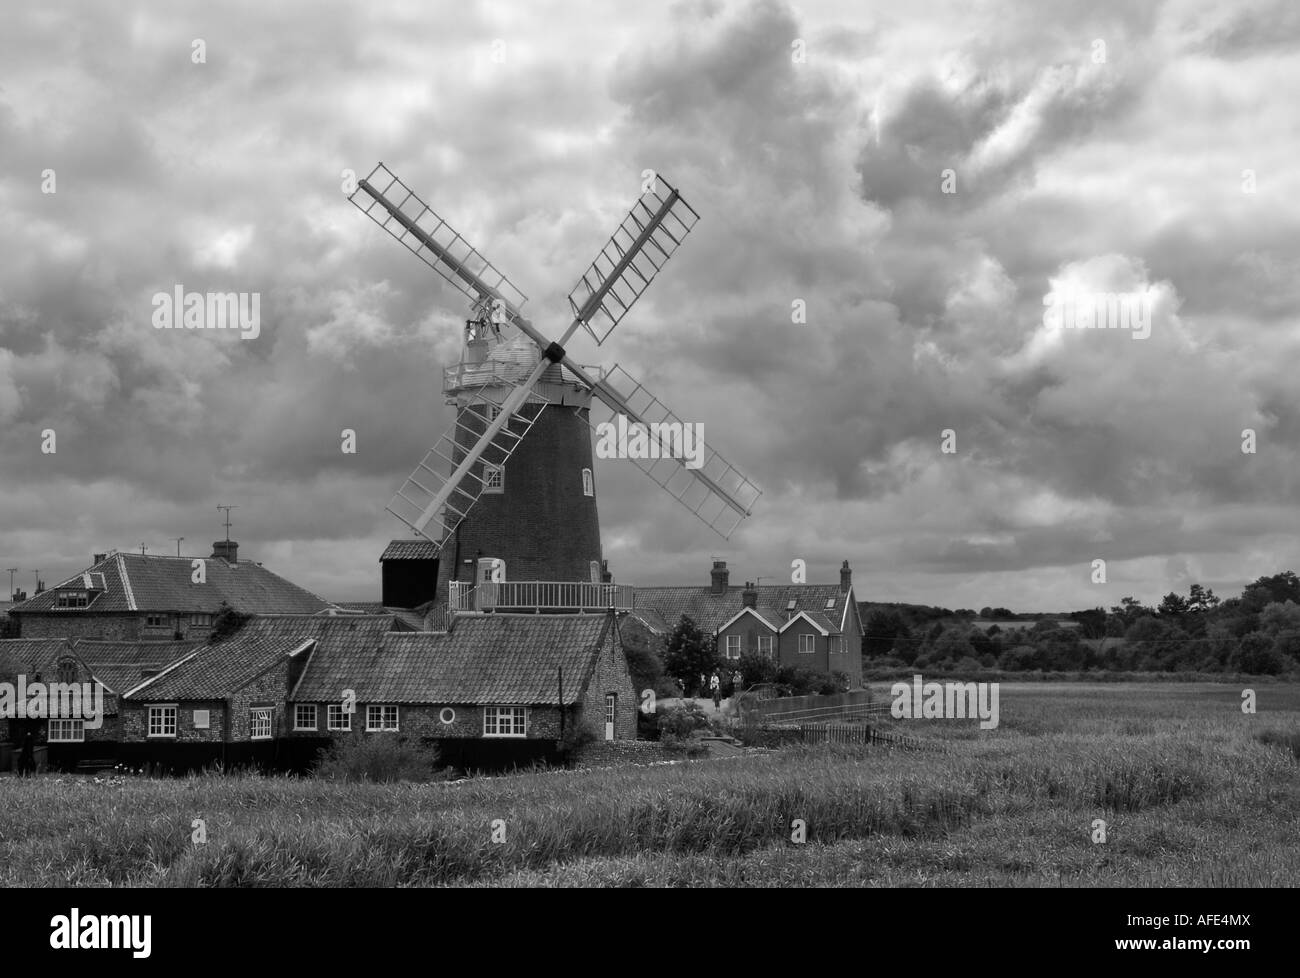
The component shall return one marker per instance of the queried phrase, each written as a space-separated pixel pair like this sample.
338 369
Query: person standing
715 689
27 756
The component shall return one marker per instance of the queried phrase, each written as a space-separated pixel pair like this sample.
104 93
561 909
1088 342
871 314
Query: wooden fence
807 709
859 733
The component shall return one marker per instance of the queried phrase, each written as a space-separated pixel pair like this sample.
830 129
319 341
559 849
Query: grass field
1193 792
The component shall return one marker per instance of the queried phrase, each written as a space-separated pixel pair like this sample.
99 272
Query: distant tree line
1257 633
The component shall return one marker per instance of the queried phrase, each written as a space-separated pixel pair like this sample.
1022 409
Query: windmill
510 374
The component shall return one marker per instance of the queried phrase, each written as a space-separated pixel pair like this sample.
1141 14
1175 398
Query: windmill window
588 485
494 478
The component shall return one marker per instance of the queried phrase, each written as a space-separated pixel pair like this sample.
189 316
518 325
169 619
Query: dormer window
72 599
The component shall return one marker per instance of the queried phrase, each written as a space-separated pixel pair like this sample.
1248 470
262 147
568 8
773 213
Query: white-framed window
381 717
494 478
505 721
67 731
336 718
807 643
588 483
72 599
611 706
834 643
304 716
733 646
765 645
259 723
162 720
201 621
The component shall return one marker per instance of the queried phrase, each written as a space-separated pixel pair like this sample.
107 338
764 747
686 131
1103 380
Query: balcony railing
540 596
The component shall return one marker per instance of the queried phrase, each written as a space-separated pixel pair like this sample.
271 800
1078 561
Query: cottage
492 690
814 626
147 597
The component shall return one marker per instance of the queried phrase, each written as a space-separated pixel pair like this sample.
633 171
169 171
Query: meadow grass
1193 792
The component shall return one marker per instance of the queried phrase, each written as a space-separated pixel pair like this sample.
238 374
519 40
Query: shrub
577 736
378 757
682 721
226 622
682 746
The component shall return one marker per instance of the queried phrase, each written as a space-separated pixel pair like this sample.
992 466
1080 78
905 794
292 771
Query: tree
1256 654
1092 622
1201 598
226 622
690 652
883 627
1280 587
1172 606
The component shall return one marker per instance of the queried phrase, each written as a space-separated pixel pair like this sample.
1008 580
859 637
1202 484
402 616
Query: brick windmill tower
526 535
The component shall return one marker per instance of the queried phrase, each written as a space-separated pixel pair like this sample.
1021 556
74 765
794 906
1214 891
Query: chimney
98 558
719 574
846 577
228 550
749 596
605 576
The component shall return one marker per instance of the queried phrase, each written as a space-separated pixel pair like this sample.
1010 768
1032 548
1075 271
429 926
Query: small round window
448 715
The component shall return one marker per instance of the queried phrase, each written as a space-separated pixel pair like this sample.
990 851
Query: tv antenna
179 541
434 504
227 509
12 571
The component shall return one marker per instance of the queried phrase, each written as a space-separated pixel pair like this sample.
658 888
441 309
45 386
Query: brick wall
135 722
606 753
420 720
114 627
541 526
611 676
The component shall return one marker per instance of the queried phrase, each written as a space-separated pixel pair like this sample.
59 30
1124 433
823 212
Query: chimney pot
227 550
719 576
846 577
98 558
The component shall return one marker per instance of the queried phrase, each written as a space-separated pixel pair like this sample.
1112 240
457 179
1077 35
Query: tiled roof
153 583
484 659
121 665
24 655
419 549
216 671
710 611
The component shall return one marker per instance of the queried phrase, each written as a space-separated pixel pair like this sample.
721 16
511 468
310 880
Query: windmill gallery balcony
538 597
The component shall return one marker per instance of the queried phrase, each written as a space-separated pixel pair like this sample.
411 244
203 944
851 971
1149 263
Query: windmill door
491 573
611 703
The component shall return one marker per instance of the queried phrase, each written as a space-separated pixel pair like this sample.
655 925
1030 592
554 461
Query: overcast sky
811 139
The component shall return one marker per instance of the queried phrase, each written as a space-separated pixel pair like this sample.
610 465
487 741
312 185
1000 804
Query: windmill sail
653 229
716 492
394 206
427 502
